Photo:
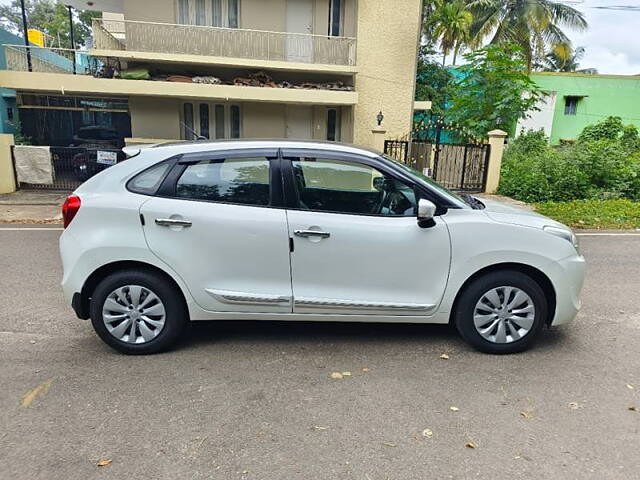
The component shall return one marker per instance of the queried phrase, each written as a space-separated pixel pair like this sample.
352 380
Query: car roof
208 145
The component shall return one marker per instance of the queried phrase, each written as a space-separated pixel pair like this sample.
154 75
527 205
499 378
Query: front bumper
568 280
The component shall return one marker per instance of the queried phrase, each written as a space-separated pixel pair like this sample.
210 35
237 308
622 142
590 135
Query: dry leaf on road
103 463
526 415
444 356
365 369
336 375
454 409
470 445
633 408
29 397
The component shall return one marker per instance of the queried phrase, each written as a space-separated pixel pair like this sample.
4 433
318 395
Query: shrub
604 162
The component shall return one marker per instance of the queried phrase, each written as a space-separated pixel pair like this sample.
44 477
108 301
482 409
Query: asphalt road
255 400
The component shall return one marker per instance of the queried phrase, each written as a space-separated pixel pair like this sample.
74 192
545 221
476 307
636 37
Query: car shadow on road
201 334
314 332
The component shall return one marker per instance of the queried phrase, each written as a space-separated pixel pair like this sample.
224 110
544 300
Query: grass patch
594 214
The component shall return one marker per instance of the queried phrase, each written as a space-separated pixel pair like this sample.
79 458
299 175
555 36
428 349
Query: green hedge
603 163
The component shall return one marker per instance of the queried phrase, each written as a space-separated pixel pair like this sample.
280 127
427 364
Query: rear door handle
311 233
171 222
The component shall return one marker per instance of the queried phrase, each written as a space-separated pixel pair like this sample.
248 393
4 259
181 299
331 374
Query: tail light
69 209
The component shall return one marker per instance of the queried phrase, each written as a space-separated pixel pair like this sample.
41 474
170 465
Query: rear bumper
568 281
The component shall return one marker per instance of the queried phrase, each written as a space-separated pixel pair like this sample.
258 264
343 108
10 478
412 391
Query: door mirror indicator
426 212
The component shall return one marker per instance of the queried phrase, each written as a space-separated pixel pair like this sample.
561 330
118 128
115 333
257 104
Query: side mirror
426 212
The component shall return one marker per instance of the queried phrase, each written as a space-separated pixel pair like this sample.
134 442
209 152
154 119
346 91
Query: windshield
435 185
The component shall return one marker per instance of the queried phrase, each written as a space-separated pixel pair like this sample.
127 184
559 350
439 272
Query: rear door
219 223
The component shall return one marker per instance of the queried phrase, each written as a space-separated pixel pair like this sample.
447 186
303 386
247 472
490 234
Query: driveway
247 400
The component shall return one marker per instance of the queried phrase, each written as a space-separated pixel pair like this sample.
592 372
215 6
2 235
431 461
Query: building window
235 121
333 124
571 105
335 17
213 121
220 121
189 133
209 13
10 114
204 120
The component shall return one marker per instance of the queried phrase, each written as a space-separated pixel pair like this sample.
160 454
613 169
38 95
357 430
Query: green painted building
575 100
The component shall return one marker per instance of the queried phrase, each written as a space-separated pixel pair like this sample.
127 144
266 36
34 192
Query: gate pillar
7 174
496 142
378 138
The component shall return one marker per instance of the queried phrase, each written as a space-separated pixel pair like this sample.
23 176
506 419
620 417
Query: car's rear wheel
501 312
138 312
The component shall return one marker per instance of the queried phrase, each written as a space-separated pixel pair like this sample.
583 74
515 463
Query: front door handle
311 233
172 222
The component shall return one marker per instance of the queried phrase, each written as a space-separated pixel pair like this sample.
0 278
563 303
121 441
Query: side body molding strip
230 297
313 302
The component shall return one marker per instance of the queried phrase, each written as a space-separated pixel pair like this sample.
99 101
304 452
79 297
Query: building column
7 173
496 142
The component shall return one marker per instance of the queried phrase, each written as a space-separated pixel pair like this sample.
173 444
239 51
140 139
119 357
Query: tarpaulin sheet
33 164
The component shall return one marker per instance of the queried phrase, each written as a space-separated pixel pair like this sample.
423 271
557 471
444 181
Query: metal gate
71 166
446 153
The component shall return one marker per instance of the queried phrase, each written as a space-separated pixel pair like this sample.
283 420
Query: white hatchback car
291 230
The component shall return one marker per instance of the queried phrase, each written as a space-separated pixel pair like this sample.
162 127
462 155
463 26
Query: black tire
464 313
176 314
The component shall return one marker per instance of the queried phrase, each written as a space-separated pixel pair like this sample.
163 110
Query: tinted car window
339 186
235 180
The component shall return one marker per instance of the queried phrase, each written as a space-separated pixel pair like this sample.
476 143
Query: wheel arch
537 275
102 272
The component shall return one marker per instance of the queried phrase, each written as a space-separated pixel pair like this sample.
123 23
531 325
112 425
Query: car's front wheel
501 312
138 312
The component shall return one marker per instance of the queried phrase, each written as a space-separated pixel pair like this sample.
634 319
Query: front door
299 122
217 225
357 246
299 48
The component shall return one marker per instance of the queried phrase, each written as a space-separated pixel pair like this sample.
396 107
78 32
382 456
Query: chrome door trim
311 233
313 302
172 222
244 298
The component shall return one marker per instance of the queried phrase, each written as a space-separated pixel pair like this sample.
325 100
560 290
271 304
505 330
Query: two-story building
311 69
575 100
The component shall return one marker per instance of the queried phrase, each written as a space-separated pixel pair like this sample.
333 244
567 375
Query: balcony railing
223 42
46 60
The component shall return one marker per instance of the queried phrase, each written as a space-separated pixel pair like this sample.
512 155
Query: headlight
564 233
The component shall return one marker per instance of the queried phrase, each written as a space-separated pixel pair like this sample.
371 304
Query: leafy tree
564 59
450 23
50 17
534 25
494 91
434 82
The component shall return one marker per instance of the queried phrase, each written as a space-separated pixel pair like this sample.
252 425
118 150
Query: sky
612 41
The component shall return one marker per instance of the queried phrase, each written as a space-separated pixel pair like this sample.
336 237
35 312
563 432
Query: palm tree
534 25
560 59
450 23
